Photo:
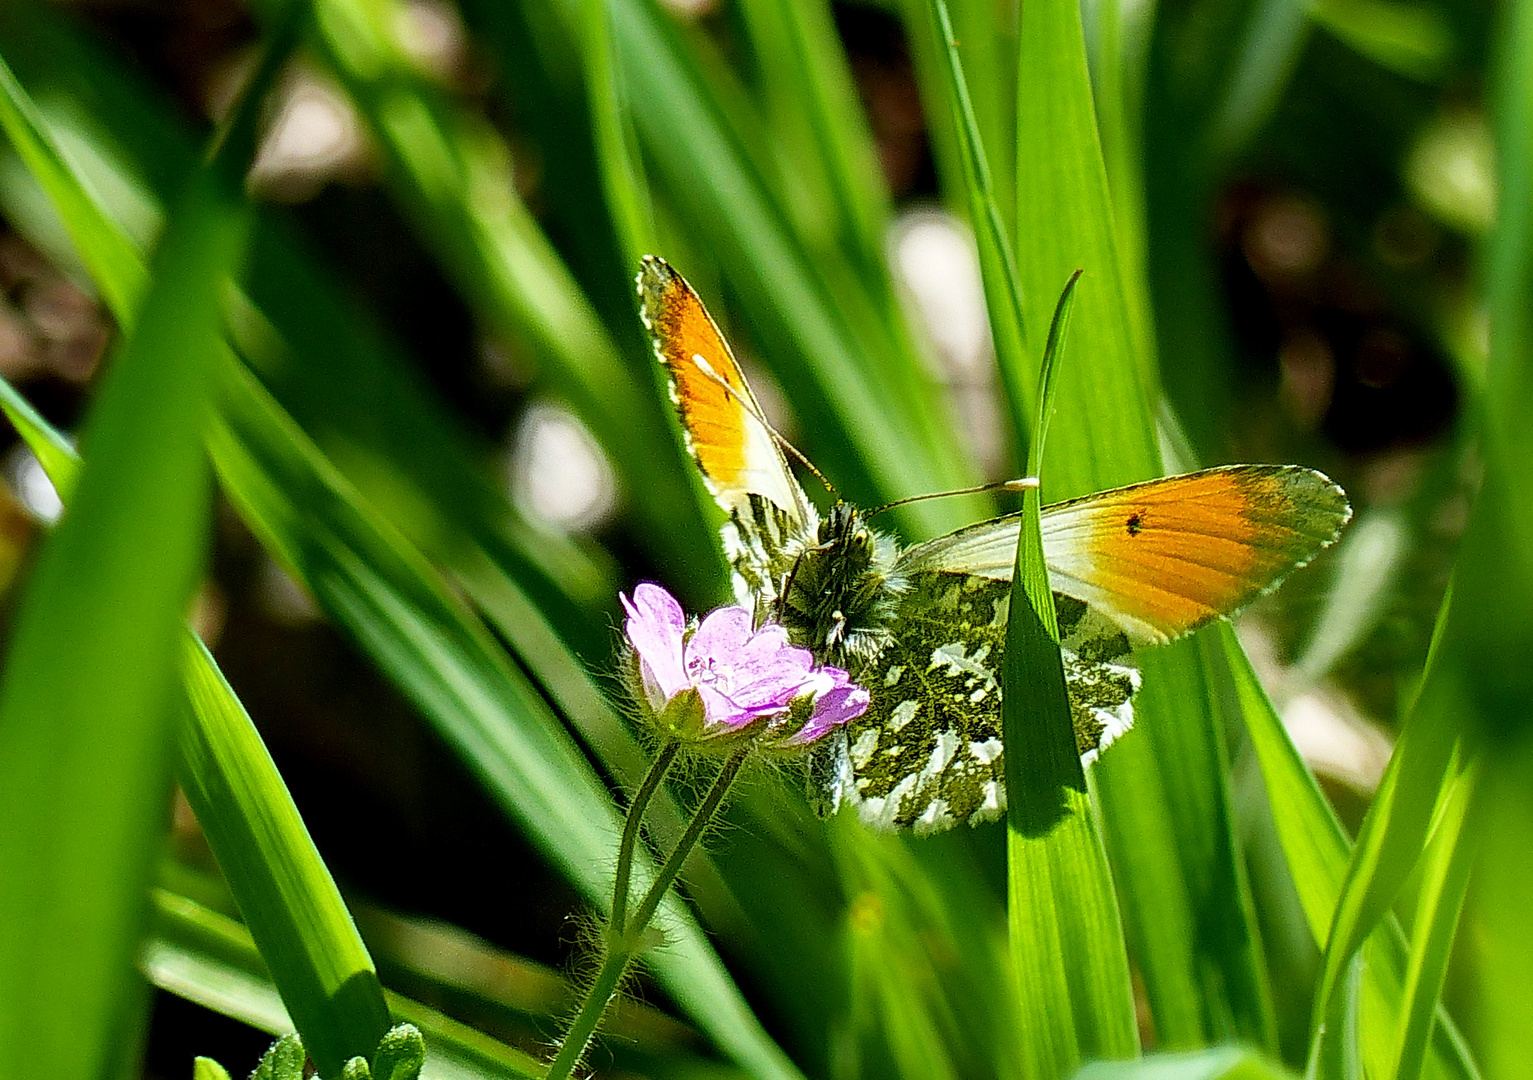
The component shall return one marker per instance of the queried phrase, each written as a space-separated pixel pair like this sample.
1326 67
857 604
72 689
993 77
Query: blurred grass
86 723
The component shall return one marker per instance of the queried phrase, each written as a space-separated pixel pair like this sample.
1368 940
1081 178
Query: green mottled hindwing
927 754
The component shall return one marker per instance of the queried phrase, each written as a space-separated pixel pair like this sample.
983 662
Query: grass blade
1446 865
85 708
1066 938
1163 788
205 957
1318 852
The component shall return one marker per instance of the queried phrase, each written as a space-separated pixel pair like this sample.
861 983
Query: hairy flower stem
626 941
630 841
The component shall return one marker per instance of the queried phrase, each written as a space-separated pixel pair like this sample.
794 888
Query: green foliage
1195 891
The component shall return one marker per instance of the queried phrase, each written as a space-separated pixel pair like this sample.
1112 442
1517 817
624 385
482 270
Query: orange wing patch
734 449
1165 557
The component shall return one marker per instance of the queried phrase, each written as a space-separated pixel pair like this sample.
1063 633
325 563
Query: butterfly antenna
1020 484
777 436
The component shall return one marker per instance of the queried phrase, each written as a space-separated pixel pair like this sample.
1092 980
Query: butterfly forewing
732 447
1165 557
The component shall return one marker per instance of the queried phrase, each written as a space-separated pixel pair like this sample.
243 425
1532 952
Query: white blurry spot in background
1451 171
936 261
31 484
432 35
557 472
313 138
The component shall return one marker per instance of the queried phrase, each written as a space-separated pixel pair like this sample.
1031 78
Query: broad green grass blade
1318 853
206 957
1163 788
86 706
285 893
383 593
282 886
1066 938
1215 1063
1493 641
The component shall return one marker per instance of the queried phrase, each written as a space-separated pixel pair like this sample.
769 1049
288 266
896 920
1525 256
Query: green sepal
208 1069
401 1053
356 1069
684 717
284 1061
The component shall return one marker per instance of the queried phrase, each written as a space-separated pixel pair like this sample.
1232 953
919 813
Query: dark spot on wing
1135 523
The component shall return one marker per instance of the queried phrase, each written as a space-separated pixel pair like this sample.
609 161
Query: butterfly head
839 595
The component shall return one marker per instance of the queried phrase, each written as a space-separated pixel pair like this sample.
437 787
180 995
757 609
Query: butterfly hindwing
927 754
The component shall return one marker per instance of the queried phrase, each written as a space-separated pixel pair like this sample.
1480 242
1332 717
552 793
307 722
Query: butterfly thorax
839 596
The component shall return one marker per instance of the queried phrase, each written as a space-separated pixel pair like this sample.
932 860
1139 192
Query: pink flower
725 677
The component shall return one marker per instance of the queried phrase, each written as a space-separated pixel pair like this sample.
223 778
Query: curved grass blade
85 708
1446 866
283 887
1318 853
1395 831
208 958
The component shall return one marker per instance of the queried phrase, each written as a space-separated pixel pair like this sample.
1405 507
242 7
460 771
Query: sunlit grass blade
1163 787
1215 1063
282 886
383 593
1066 938
998 264
86 714
115 264
1399 820
1446 864
1318 854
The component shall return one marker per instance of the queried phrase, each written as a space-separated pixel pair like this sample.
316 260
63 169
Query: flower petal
840 702
655 628
719 639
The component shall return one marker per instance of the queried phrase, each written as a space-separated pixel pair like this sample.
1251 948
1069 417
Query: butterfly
924 628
